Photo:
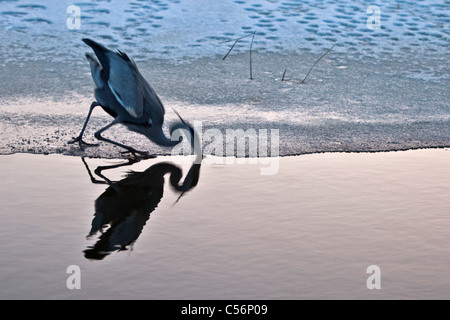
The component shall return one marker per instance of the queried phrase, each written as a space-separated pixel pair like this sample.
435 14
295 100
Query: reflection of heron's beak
178 200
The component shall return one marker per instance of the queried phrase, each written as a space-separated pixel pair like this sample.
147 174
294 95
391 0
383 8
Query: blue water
186 28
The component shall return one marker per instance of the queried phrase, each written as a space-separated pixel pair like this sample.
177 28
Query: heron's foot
136 155
82 143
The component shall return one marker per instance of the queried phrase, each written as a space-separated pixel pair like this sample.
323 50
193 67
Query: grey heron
122 91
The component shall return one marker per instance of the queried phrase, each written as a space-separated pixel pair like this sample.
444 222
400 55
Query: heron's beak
179 116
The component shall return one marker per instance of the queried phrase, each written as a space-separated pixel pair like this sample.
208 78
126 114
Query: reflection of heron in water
126 205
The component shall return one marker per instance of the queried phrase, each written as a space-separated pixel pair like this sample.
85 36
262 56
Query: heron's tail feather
100 52
94 45
96 71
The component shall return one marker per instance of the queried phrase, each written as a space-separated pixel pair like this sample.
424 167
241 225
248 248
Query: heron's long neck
161 139
176 174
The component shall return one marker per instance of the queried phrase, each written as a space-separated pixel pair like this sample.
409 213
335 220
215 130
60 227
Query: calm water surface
310 231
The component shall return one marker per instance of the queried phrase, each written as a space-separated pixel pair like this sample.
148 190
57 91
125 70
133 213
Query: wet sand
308 232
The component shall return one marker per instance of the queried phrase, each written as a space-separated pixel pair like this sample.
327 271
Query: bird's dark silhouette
126 205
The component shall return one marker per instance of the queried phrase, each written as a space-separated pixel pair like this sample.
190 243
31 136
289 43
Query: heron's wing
124 83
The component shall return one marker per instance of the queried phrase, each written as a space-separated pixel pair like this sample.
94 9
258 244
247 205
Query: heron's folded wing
124 83
96 71
152 103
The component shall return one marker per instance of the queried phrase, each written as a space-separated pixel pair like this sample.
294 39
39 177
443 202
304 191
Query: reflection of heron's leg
131 150
99 170
79 139
93 180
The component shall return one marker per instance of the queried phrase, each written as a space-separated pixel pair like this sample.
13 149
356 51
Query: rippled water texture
180 28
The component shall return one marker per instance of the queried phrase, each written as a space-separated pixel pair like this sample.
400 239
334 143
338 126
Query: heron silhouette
123 93
126 205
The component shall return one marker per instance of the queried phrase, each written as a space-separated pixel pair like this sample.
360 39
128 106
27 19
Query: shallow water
310 231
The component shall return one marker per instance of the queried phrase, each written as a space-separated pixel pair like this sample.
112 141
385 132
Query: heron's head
178 132
189 132
181 130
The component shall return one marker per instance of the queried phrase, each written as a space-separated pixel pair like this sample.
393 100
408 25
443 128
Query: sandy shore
309 231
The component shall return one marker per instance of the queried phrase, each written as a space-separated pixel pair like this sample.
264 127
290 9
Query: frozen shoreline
377 90
346 105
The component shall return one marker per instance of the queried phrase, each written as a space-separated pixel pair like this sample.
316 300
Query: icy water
187 28
382 89
309 232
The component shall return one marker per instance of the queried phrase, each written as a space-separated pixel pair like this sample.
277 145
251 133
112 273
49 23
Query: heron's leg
79 139
131 150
